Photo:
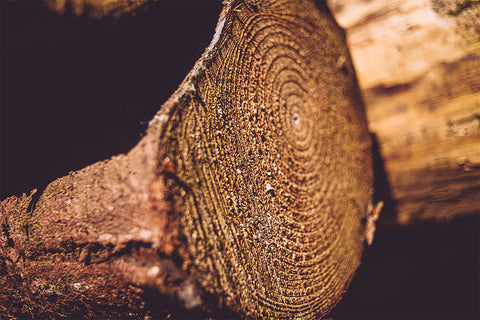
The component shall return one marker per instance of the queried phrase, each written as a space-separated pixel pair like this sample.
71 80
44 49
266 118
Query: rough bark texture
98 8
249 191
418 64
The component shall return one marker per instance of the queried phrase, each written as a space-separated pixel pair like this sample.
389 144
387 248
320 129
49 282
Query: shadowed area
75 90
425 271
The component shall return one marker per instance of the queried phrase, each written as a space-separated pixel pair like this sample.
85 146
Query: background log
99 9
418 65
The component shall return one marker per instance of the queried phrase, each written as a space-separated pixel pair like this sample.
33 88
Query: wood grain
272 152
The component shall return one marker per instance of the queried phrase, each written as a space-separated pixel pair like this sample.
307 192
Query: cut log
418 64
250 191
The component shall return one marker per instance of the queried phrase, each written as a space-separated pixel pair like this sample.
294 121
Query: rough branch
249 191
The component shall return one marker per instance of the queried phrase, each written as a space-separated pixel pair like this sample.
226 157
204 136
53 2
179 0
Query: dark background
75 91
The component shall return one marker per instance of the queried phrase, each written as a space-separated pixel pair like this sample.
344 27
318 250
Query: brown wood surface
250 192
418 65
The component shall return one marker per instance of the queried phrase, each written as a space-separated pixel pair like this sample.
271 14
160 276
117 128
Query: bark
418 64
250 191
98 9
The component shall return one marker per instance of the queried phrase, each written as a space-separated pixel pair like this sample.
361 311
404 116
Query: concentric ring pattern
271 156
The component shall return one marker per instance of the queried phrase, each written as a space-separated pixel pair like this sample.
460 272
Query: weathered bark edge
133 257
